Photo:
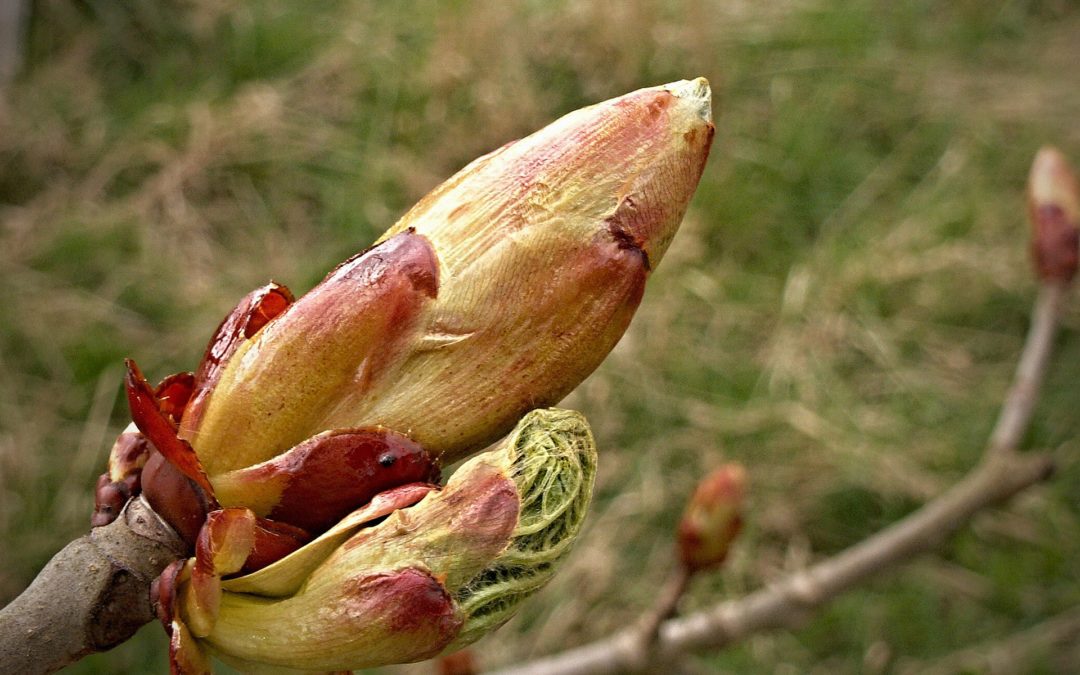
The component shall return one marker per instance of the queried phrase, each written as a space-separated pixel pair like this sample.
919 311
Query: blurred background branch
14 17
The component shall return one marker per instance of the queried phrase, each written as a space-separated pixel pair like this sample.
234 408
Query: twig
1019 403
666 605
93 594
1002 473
648 631
787 603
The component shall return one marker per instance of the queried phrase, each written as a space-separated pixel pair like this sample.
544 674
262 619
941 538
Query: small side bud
713 518
122 480
1054 209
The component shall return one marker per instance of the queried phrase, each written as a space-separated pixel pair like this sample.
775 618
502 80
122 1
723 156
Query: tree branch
648 632
1019 403
788 603
1002 473
93 594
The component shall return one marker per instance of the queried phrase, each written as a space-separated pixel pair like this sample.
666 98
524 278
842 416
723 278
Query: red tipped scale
254 311
309 369
175 497
273 541
224 543
173 393
128 455
319 481
186 656
156 425
109 499
163 592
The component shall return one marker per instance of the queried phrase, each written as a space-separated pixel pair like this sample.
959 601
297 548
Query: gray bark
93 594
13 18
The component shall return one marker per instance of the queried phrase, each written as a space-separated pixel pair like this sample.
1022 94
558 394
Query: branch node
805 590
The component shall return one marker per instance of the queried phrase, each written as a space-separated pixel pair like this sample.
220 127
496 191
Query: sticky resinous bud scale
431 578
300 461
496 294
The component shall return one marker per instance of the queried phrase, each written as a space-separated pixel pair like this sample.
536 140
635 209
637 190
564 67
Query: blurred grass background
841 311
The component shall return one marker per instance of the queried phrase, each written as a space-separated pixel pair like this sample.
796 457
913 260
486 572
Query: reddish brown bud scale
163 592
270 301
175 497
224 543
713 518
109 500
273 541
285 385
123 479
249 316
173 393
322 479
128 455
160 430
1054 211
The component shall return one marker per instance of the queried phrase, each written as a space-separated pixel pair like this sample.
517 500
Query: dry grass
840 312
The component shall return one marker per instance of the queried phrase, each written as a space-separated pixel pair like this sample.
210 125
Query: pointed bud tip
713 518
1052 181
694 93
1054 210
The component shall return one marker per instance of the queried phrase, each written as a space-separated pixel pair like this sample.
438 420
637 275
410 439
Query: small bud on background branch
713 518
1054 209
1054 212
709 525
